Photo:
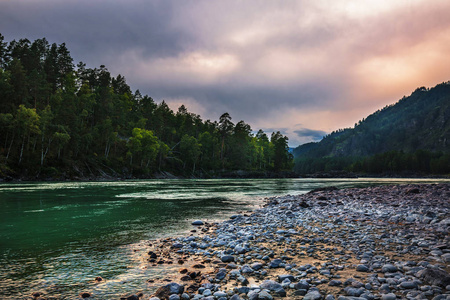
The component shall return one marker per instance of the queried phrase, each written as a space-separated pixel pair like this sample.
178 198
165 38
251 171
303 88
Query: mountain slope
420 121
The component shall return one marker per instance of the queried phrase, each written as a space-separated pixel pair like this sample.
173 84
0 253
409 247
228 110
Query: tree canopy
65 121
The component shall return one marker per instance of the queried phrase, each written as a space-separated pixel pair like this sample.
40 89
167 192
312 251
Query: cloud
274 64
314 135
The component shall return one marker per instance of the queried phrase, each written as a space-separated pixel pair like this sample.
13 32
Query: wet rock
198 222
169 289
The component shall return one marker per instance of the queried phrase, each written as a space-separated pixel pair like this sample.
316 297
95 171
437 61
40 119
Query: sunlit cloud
274 64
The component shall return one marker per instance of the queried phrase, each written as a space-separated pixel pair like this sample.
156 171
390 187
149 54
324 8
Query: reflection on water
57 237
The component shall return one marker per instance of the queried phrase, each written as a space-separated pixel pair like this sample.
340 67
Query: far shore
223 175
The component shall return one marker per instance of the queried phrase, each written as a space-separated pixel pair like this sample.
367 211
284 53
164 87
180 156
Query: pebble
383 242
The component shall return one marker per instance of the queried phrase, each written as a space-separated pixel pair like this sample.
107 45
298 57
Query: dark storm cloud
315 135
270 63
95 29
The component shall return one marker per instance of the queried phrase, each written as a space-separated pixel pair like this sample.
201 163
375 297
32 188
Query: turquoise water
57 237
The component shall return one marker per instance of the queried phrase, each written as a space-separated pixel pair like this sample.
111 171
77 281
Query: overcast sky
305 68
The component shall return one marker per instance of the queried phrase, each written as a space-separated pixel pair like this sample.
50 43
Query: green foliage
411 136
60 119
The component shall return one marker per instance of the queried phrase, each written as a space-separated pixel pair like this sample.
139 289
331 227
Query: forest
59 120
411 136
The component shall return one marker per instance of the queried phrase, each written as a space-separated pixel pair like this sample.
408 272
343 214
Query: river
57 237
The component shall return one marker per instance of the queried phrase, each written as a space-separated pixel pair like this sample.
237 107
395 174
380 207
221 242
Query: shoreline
169 176
383 242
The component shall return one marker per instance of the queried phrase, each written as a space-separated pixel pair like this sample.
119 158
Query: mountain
409 134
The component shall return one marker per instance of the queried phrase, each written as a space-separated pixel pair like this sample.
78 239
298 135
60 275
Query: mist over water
57 237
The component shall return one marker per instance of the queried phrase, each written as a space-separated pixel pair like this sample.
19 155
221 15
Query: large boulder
435 277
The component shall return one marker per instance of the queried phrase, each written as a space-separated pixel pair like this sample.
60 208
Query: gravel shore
384 242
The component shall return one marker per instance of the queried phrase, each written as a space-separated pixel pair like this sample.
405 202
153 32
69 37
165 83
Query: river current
57 237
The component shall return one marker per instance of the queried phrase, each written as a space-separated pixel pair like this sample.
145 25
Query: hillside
407 135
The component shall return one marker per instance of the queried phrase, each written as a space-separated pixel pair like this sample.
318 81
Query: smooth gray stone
281 278
256 266
207 292
313 295
389 296
302 285
351 291
175 288
276 263
185 296
335 282
389 268
270 285
362 268
242 290
246 269
263 295
409 285
252 295
220 294
227 258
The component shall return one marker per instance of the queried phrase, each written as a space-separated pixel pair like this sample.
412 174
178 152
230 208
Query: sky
304 68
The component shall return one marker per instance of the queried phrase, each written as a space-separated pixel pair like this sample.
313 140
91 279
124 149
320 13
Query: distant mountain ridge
419 122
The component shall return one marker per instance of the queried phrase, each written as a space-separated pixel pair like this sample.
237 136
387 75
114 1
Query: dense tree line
411 135
392 162
60 119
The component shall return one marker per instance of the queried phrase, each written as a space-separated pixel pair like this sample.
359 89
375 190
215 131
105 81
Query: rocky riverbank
386 242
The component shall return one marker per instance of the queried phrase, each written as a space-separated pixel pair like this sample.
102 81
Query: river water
57 237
